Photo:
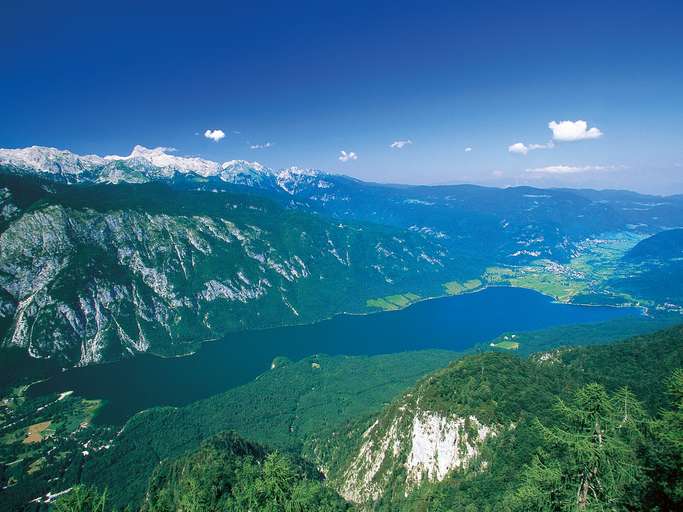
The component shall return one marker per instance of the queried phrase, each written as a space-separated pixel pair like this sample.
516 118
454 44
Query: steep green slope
460 437
292 404
466 431
229 474
665 245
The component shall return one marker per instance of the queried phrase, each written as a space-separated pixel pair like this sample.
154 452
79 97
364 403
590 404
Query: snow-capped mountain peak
294 170
160 157
146 164
243 165
293 179
243 172
49 160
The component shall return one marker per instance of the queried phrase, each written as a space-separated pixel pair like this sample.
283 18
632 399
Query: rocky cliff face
409 445
86 284
447 426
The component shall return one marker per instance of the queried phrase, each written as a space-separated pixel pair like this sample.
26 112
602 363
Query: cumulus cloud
572 169
214 135
345 157
519 148
468 149
400 144
261 146
564 131
569 131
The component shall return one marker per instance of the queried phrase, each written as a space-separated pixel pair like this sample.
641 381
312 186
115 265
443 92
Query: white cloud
518 148
214 135
345 157
261 146
522 149
572 169
549 145
468 149
400 144
497 174
569 131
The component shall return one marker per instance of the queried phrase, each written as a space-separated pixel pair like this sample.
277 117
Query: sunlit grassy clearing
456 288
393 302
507 345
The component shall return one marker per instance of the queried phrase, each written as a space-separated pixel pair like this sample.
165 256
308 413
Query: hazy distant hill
666 245
653 269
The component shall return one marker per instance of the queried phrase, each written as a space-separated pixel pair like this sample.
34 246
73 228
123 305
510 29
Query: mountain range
144 165
106 257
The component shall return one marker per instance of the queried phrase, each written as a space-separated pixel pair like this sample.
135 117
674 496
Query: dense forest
591 428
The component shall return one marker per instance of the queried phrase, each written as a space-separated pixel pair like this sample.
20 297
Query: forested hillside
283 408
468 429
491 431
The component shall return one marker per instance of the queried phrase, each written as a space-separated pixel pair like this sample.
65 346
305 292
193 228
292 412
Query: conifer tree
591 459
665 456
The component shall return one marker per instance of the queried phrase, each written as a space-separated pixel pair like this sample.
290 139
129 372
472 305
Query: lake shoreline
645 311
456 323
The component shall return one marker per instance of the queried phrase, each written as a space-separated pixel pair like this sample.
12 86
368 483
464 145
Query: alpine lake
454 323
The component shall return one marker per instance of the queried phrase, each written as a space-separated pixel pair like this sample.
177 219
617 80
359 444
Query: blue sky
317 78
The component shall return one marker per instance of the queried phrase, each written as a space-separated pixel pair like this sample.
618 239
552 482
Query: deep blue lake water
452 323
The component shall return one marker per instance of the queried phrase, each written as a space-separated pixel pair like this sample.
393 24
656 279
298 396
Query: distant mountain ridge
529 222
144 165
665 245
654 268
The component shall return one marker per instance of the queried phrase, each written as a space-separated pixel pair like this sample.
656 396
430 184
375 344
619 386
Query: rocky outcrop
443 429
440 444
411 446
